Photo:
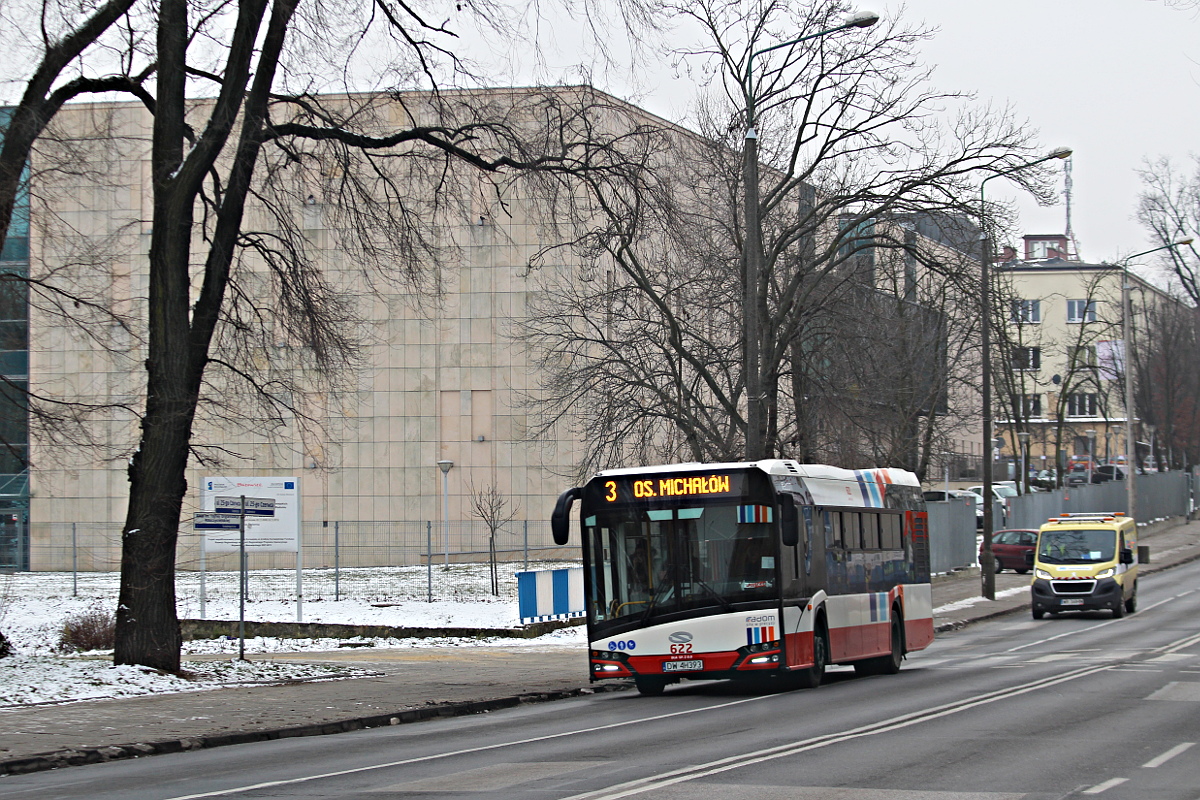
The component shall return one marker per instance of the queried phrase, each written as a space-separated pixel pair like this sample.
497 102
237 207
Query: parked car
1000 491
1108 472
1044 479
1078 475
1009 547
939 496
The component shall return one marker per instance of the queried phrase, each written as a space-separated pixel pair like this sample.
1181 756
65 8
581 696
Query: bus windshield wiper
653 602
723 601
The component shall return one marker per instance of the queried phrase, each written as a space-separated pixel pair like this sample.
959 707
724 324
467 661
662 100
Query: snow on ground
34 606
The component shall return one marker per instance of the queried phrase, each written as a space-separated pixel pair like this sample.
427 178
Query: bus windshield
646 562
1077 546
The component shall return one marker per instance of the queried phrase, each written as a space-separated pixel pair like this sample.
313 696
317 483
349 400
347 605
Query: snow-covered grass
34 606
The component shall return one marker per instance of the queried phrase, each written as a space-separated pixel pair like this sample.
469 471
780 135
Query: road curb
77 756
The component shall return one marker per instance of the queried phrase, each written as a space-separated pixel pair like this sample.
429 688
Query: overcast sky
1118 81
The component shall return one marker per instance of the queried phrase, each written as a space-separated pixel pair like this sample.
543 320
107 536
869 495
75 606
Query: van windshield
1077 546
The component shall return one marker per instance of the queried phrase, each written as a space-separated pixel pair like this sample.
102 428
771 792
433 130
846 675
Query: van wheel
1131 603
811 678
1038 613
1119 609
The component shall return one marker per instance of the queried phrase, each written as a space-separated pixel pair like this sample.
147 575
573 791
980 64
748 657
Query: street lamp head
1060 152
1184 242
445 466
861 19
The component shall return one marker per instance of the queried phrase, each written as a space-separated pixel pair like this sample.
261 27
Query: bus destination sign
651 488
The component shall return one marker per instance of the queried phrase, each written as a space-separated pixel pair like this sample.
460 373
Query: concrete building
441 379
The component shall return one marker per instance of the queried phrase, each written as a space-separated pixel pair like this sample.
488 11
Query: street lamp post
1150 435
753 299
445 466
987 562
1127 362
1023 436
1091 434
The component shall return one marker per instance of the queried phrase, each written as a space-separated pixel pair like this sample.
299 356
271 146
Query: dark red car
1010 545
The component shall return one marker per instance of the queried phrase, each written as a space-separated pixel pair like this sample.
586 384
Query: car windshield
1006 491
1077 546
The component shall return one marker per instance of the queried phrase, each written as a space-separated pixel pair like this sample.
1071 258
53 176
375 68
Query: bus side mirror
560 519
789 521
1126 555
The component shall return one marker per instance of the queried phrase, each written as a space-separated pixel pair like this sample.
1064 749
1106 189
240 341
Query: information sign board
280 533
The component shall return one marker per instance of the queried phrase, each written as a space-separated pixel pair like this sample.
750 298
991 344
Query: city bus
768 569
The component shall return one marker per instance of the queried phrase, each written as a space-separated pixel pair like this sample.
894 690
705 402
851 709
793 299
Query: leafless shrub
93 629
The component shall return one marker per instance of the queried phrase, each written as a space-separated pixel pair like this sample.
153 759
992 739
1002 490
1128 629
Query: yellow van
1085 562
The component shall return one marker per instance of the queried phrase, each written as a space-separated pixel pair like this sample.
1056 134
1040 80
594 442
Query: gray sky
1118 81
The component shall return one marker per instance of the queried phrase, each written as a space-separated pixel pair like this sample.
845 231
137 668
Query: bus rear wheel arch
890 663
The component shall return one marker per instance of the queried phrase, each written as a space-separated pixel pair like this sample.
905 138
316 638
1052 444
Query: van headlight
1041 573
1106 573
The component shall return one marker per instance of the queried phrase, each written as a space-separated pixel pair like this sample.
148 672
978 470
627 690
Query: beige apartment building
1060 362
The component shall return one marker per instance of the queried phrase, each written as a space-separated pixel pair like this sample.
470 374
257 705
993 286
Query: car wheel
999 567
811 678
1022 571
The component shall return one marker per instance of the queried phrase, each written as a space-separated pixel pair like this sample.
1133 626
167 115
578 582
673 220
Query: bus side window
870 530
833 529
851 533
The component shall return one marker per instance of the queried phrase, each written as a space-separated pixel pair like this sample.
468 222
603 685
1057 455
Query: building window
1026 311
1081 405
1031 406
1082 356
1081 311
1027 358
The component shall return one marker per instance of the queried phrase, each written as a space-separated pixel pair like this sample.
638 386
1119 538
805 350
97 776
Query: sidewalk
410 685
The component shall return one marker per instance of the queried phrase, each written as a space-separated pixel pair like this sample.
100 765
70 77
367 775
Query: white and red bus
768 568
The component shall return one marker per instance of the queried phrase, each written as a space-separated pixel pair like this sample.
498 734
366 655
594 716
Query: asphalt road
1013 708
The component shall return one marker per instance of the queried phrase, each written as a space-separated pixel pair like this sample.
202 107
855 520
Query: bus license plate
1071 601
694 665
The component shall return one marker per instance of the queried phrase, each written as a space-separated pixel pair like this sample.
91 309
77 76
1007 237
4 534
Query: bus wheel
890 664
649 685
811 678
885 665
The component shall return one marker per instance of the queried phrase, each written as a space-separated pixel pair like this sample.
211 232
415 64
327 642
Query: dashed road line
1158 761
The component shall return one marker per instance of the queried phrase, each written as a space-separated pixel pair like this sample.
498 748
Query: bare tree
491 506
1167 390
650 355
1169 208
232 271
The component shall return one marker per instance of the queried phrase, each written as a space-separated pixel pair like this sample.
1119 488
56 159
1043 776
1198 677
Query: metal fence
1159 496
952 542
404 560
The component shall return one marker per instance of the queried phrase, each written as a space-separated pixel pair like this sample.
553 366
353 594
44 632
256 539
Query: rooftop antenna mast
1067 186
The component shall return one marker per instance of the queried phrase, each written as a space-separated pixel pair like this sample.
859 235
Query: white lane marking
1094 627
1104 787
1167 756
685 774
464 751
